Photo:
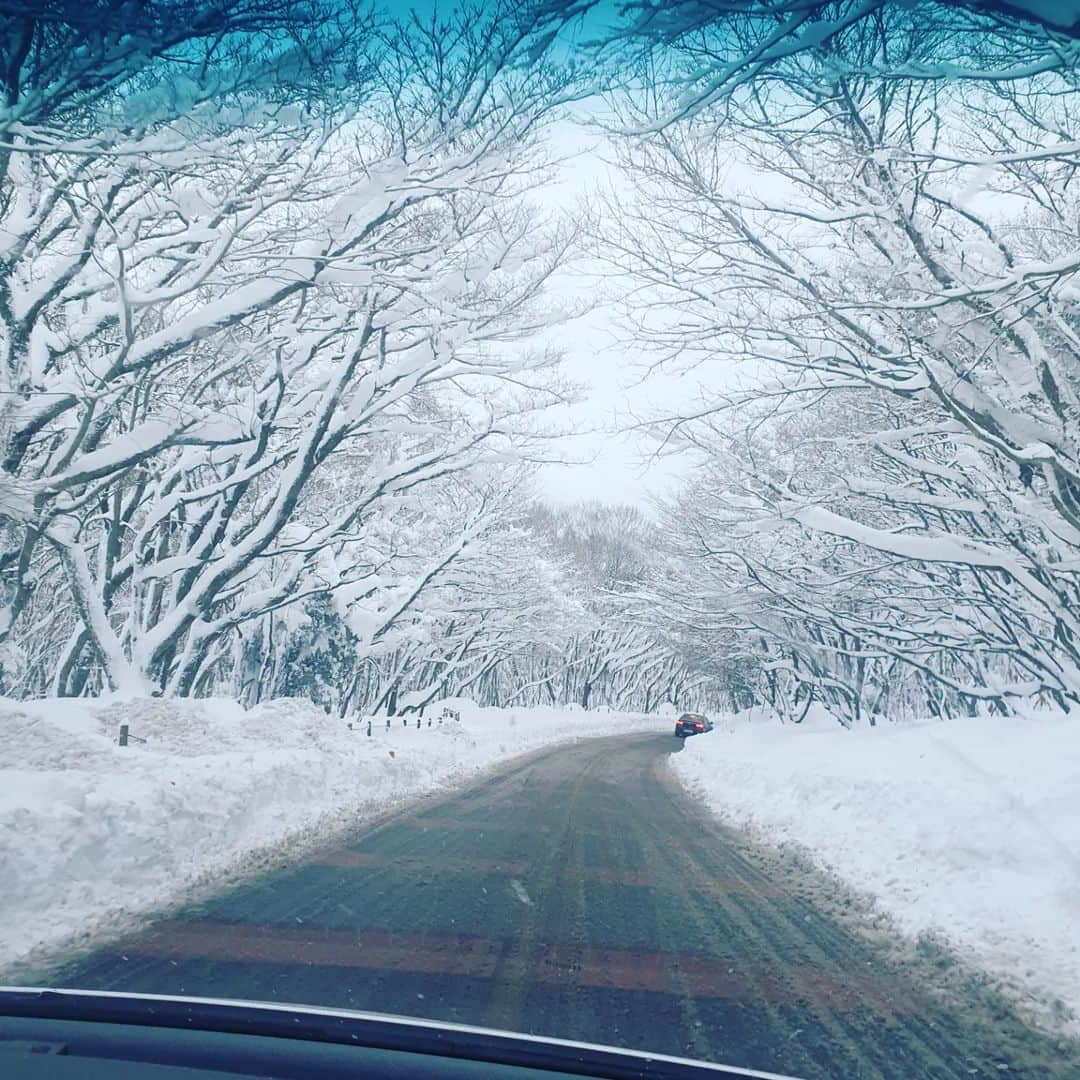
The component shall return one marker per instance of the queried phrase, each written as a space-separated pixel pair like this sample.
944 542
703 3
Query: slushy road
578 894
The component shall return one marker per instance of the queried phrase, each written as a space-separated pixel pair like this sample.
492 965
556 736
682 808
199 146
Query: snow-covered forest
271 277
276 281
871 212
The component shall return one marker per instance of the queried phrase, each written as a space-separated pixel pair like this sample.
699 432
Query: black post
123 734
418 723
369 729
388 723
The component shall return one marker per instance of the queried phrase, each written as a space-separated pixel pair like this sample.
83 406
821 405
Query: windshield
555 515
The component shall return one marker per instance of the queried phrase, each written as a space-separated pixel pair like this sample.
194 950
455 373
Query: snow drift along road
968 827
91 831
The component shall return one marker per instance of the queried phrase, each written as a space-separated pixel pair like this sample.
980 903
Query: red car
692 724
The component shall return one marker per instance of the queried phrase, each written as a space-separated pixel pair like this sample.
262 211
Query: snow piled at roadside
91 831
967 828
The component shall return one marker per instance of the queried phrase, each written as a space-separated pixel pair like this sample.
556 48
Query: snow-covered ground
92 832
968 828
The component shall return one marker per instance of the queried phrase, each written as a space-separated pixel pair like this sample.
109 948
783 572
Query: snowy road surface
577 894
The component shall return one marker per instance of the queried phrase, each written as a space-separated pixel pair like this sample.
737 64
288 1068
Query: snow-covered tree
265 269
619 654
701 54
890 260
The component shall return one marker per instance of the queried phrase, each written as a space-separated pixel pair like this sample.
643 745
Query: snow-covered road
93 834
578 894
968 829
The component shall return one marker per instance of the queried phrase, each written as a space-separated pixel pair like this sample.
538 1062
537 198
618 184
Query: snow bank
91 831
969 828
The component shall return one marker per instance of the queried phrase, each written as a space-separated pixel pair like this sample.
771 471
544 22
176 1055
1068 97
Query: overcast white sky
610 461
613 461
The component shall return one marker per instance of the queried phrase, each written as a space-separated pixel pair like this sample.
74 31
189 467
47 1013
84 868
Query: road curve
576 894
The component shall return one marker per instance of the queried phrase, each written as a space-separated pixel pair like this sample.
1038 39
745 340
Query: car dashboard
82 1035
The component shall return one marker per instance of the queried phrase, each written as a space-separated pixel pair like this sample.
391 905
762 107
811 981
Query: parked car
692 724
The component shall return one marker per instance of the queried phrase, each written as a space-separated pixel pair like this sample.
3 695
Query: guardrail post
369 727
124 734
